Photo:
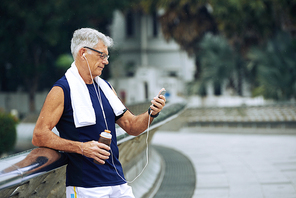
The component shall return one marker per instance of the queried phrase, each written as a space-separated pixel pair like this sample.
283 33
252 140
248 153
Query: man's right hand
96 150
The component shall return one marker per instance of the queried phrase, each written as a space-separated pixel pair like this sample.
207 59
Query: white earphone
147 147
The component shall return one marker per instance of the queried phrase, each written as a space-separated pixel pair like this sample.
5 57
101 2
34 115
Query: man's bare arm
49 116
135 125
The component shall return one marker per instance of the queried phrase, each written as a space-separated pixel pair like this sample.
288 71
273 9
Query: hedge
7 132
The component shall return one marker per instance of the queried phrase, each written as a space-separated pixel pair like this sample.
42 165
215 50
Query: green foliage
187 22
35 33
244 23
219 63
246 20
150 5
197 87
216 58
276 68
64 61
7 132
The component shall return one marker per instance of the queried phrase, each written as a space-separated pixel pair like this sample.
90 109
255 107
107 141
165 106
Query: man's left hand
157 104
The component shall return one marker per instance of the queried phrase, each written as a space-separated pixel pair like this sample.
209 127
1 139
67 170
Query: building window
130 68
146 90
173 74
130 23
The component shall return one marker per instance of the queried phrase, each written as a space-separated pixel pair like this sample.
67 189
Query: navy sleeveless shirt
81 170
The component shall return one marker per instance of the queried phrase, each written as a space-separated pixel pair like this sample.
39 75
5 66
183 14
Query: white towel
83 111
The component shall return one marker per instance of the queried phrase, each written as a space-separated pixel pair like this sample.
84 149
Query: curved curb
179 180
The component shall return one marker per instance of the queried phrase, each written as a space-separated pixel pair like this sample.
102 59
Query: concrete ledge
147 184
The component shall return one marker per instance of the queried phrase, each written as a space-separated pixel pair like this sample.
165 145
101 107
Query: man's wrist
150 114
81 148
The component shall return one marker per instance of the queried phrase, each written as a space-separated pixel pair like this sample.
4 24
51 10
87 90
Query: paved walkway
177 168
237 165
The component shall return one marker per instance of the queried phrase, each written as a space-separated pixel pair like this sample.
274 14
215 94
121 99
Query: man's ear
82 53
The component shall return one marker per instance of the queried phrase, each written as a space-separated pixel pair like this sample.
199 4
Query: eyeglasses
102 54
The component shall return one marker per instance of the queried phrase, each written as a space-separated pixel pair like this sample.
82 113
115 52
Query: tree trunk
240 81
32 101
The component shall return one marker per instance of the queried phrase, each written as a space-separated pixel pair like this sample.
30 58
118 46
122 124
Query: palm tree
219 63
276 68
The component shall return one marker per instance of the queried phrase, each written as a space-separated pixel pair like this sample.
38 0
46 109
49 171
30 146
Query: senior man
82 105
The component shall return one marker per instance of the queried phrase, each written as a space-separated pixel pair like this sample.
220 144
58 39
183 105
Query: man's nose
105 61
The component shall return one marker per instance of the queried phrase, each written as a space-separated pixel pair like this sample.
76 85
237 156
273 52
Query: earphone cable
147 157
147 137
99 98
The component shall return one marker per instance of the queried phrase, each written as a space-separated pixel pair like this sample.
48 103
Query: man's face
97 61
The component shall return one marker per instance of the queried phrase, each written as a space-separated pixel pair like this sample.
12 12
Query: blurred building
146 62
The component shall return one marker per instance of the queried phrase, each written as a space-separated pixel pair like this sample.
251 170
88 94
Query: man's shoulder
62 82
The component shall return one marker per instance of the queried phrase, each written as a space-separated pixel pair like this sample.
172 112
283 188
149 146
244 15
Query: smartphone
161 92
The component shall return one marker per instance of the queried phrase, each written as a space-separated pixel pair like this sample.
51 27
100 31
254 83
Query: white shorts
120 191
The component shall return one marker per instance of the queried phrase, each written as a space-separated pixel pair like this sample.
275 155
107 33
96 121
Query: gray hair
88 37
